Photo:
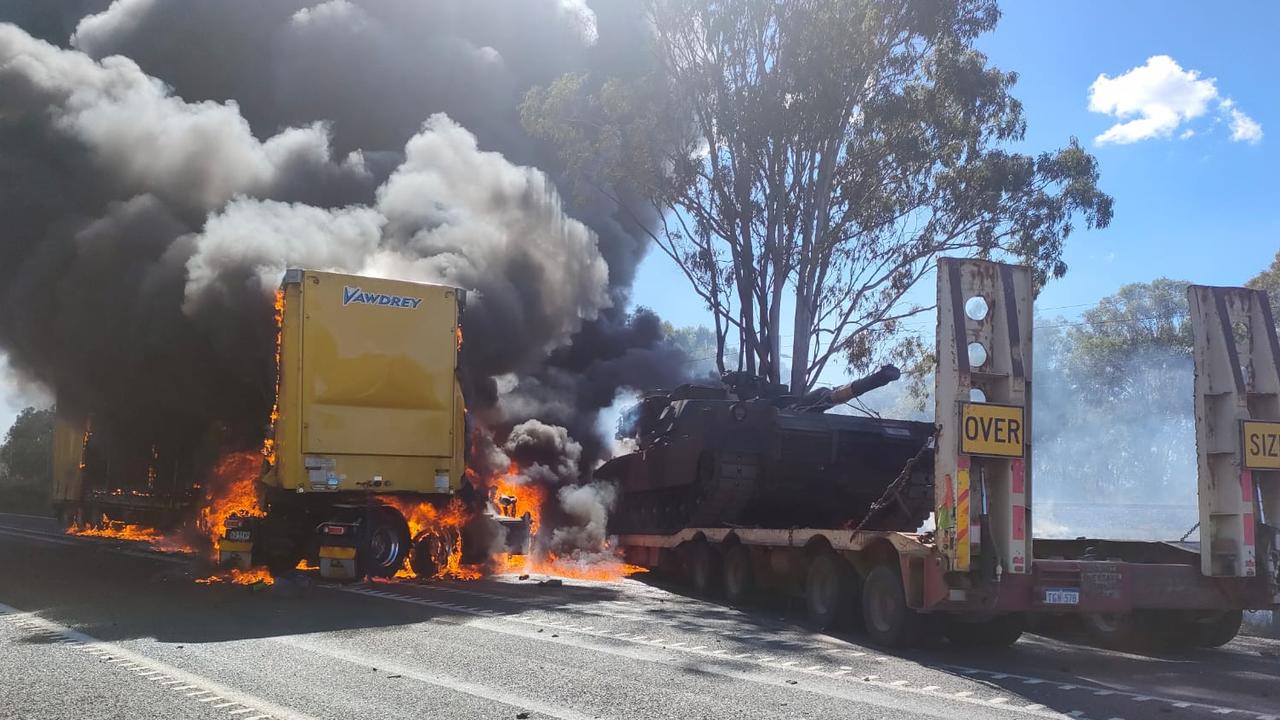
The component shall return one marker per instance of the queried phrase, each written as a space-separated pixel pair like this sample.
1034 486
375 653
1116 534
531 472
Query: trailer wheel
1138 630
1216 629
430 554
71 517
384 544
704 569
739 580
889 621
831 591
999 631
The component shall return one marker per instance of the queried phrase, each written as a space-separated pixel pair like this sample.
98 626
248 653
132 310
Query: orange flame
116 530
236 576
514 497
235 491
269 443
424 518
592 568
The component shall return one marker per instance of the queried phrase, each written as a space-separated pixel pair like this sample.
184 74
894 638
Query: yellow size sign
987 429
1261 444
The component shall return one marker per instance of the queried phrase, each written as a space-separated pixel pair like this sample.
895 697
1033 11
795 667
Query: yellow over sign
987 429
1261 444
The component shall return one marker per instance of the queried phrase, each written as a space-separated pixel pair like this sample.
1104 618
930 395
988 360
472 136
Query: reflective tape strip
228 546
962 514
337 552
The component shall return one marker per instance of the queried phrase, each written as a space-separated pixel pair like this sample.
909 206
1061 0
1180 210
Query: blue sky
1202 208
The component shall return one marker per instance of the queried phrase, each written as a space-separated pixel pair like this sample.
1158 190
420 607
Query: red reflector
335 530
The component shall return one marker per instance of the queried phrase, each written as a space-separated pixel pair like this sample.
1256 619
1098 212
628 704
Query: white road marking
113 652
504 697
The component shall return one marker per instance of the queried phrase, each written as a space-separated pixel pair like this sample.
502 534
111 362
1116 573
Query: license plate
238 535
1061 597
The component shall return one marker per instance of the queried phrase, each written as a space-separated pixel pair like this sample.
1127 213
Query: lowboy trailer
979 576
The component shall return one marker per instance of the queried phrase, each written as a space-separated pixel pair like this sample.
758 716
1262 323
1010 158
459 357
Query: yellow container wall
68 450
368 389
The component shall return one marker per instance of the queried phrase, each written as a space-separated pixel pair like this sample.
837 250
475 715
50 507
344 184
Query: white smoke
589 507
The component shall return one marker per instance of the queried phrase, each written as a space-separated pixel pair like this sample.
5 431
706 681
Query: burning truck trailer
363 469
745 489
366 464
109 476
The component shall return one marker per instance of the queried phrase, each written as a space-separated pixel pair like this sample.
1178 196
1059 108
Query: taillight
335 530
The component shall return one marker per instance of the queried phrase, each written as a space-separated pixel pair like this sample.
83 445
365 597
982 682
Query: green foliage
27 452
26 462
1269 280
828 150
1142 320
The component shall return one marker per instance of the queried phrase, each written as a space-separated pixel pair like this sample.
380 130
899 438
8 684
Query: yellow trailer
370 419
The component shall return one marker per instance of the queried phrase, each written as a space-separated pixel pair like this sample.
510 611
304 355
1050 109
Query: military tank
747 453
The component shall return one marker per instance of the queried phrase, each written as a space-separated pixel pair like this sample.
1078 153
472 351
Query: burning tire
739 579
430 554
888 619
384 544
831 591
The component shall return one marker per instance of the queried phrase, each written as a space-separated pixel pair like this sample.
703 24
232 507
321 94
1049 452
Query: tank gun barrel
824 399
861 386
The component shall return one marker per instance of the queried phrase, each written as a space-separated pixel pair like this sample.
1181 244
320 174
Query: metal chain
891 492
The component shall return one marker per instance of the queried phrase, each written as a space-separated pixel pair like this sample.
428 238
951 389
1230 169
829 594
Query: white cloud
1243 127
1160 96
1155 99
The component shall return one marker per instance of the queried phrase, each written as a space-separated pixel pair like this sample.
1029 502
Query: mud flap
238 555
338 563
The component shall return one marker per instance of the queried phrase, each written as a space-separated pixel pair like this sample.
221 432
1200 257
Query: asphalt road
101 629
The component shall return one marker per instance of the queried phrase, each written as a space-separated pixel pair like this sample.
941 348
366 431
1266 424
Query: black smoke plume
165 160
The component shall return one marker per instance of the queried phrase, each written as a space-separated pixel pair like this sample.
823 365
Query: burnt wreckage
749 454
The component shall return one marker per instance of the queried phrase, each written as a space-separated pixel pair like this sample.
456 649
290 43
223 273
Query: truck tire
71 517
1138 631
739 578
384 543
996 632
430 554
704 569
830 592
888 619
1216 629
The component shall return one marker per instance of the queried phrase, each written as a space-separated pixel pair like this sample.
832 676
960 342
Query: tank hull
720 463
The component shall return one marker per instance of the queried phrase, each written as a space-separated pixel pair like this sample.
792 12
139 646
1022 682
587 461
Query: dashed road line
643 640
114 655
1102 692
